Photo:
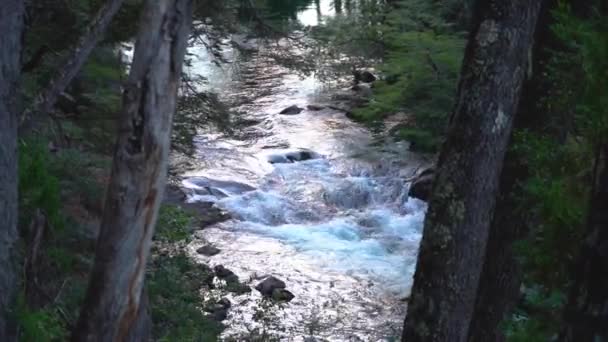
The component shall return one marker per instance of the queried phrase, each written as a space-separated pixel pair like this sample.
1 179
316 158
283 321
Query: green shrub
174 224
174 284
43 325
38 188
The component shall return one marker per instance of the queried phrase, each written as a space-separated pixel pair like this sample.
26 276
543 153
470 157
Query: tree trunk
586 314
500 281
466 185
11 30
110 311
77 56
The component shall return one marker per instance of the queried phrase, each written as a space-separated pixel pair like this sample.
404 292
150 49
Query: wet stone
291 110
423 184
208 250
282 295
237 287
222 272
314 107
268 285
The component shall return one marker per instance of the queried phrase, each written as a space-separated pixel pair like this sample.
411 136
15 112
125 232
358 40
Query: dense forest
295 170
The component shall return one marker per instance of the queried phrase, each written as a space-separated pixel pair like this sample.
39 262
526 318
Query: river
338 228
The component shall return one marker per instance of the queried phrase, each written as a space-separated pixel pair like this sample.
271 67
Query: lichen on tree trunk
466 186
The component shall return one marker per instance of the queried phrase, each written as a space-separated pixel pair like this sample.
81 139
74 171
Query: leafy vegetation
557 191
417 47
174 284
174 224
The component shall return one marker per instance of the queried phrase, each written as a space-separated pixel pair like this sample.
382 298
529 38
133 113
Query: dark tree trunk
500 281
586 314
77 56
466 185
114 296
338 6
11 30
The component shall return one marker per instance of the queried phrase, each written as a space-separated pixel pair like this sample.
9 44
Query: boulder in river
291 110
364 76
422 185
174 194
218 309
282 295
208 250
222 272
206 213
268 285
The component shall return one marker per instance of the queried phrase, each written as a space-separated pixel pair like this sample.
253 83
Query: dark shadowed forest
304 170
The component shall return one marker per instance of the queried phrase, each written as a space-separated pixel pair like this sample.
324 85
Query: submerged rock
314 107
208 250
268 285
215 187
291 110
292 157
422 185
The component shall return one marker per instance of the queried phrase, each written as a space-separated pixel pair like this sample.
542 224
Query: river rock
226 187
208 250
268 285
314 107
219 309
223 273
174 194
282 295
207 275
237 287
422 185
363 90
291 157
220 315
244 42
225 302
207 213
364 76
291 110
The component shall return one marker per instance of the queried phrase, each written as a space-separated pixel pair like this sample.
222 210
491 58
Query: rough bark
11 30
500 280
586 314
114 295
77 56
466 186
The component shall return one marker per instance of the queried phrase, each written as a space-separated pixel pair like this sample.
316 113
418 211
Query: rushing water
339 228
